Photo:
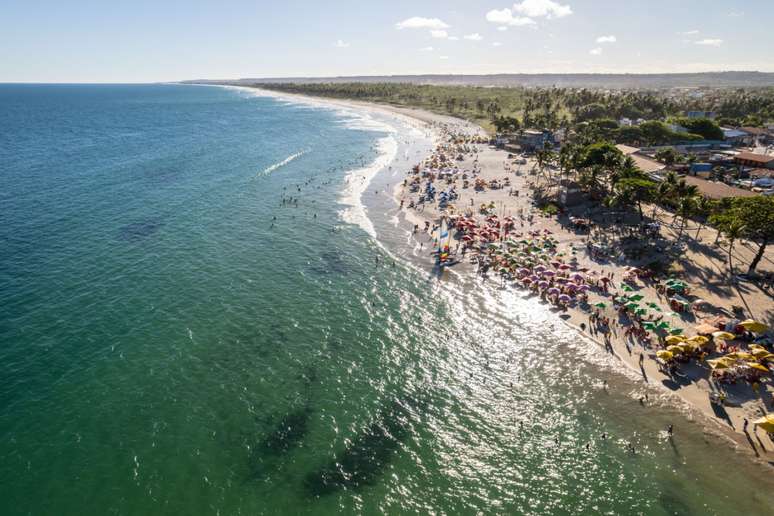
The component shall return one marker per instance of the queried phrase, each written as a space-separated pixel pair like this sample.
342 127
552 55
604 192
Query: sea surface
176 339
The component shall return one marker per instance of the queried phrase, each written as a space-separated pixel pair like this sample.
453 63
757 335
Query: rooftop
757 158
717 190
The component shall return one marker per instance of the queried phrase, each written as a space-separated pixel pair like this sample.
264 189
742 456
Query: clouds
497 44
709 42
542 8
689 33
606 39
427 49
341 44
596 51
504 17
439 34
417 22
473 37
523 14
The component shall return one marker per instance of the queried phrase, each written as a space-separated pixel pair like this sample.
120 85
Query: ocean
208 305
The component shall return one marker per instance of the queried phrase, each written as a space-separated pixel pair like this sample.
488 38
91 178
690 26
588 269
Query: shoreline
693 395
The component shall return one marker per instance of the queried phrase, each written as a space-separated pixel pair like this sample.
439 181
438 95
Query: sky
170 40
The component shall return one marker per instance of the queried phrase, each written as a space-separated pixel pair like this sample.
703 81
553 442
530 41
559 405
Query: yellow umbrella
766 423
720 363
699 339
756 365
724 335
761 354
674 339
741 355
756 347
753 326
677 350
664 355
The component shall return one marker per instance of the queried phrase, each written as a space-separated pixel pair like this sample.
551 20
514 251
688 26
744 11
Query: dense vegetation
554 108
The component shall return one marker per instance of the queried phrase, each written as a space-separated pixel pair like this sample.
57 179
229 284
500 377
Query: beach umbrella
564 298
649 326
640 311
553 291
766 423
723 335
636 297
741 355
676 331
584 288
698 339
674 339
632 306
720 363
665 355
757 366
663 325
526 280
677 350
543 284
600 305
753 326
548 273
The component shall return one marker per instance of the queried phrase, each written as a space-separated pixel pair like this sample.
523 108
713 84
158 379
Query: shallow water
166 351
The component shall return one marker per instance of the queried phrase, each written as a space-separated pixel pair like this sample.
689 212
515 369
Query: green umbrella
632 306
626 288
649 325
663 325
676 331
640 311
601 305
636 297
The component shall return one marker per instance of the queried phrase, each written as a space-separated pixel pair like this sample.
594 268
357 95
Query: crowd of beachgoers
475 206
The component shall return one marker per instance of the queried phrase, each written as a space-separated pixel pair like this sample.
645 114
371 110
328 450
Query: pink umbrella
526 280
577 276
564 297
543 284
572 286
553 291
584 288
564 266
548 273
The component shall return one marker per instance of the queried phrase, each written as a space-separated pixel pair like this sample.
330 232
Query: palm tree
685 208
703 206
733 232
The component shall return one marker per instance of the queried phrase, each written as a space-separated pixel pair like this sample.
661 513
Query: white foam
357 182
282 163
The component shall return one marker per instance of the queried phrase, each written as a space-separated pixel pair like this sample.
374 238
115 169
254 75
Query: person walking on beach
671 430
744 425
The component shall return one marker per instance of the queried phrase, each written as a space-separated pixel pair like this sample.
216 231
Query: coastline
695 395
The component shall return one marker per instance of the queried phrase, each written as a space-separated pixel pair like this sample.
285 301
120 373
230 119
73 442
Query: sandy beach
701 265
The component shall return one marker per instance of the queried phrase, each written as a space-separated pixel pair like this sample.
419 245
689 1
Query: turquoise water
168 347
